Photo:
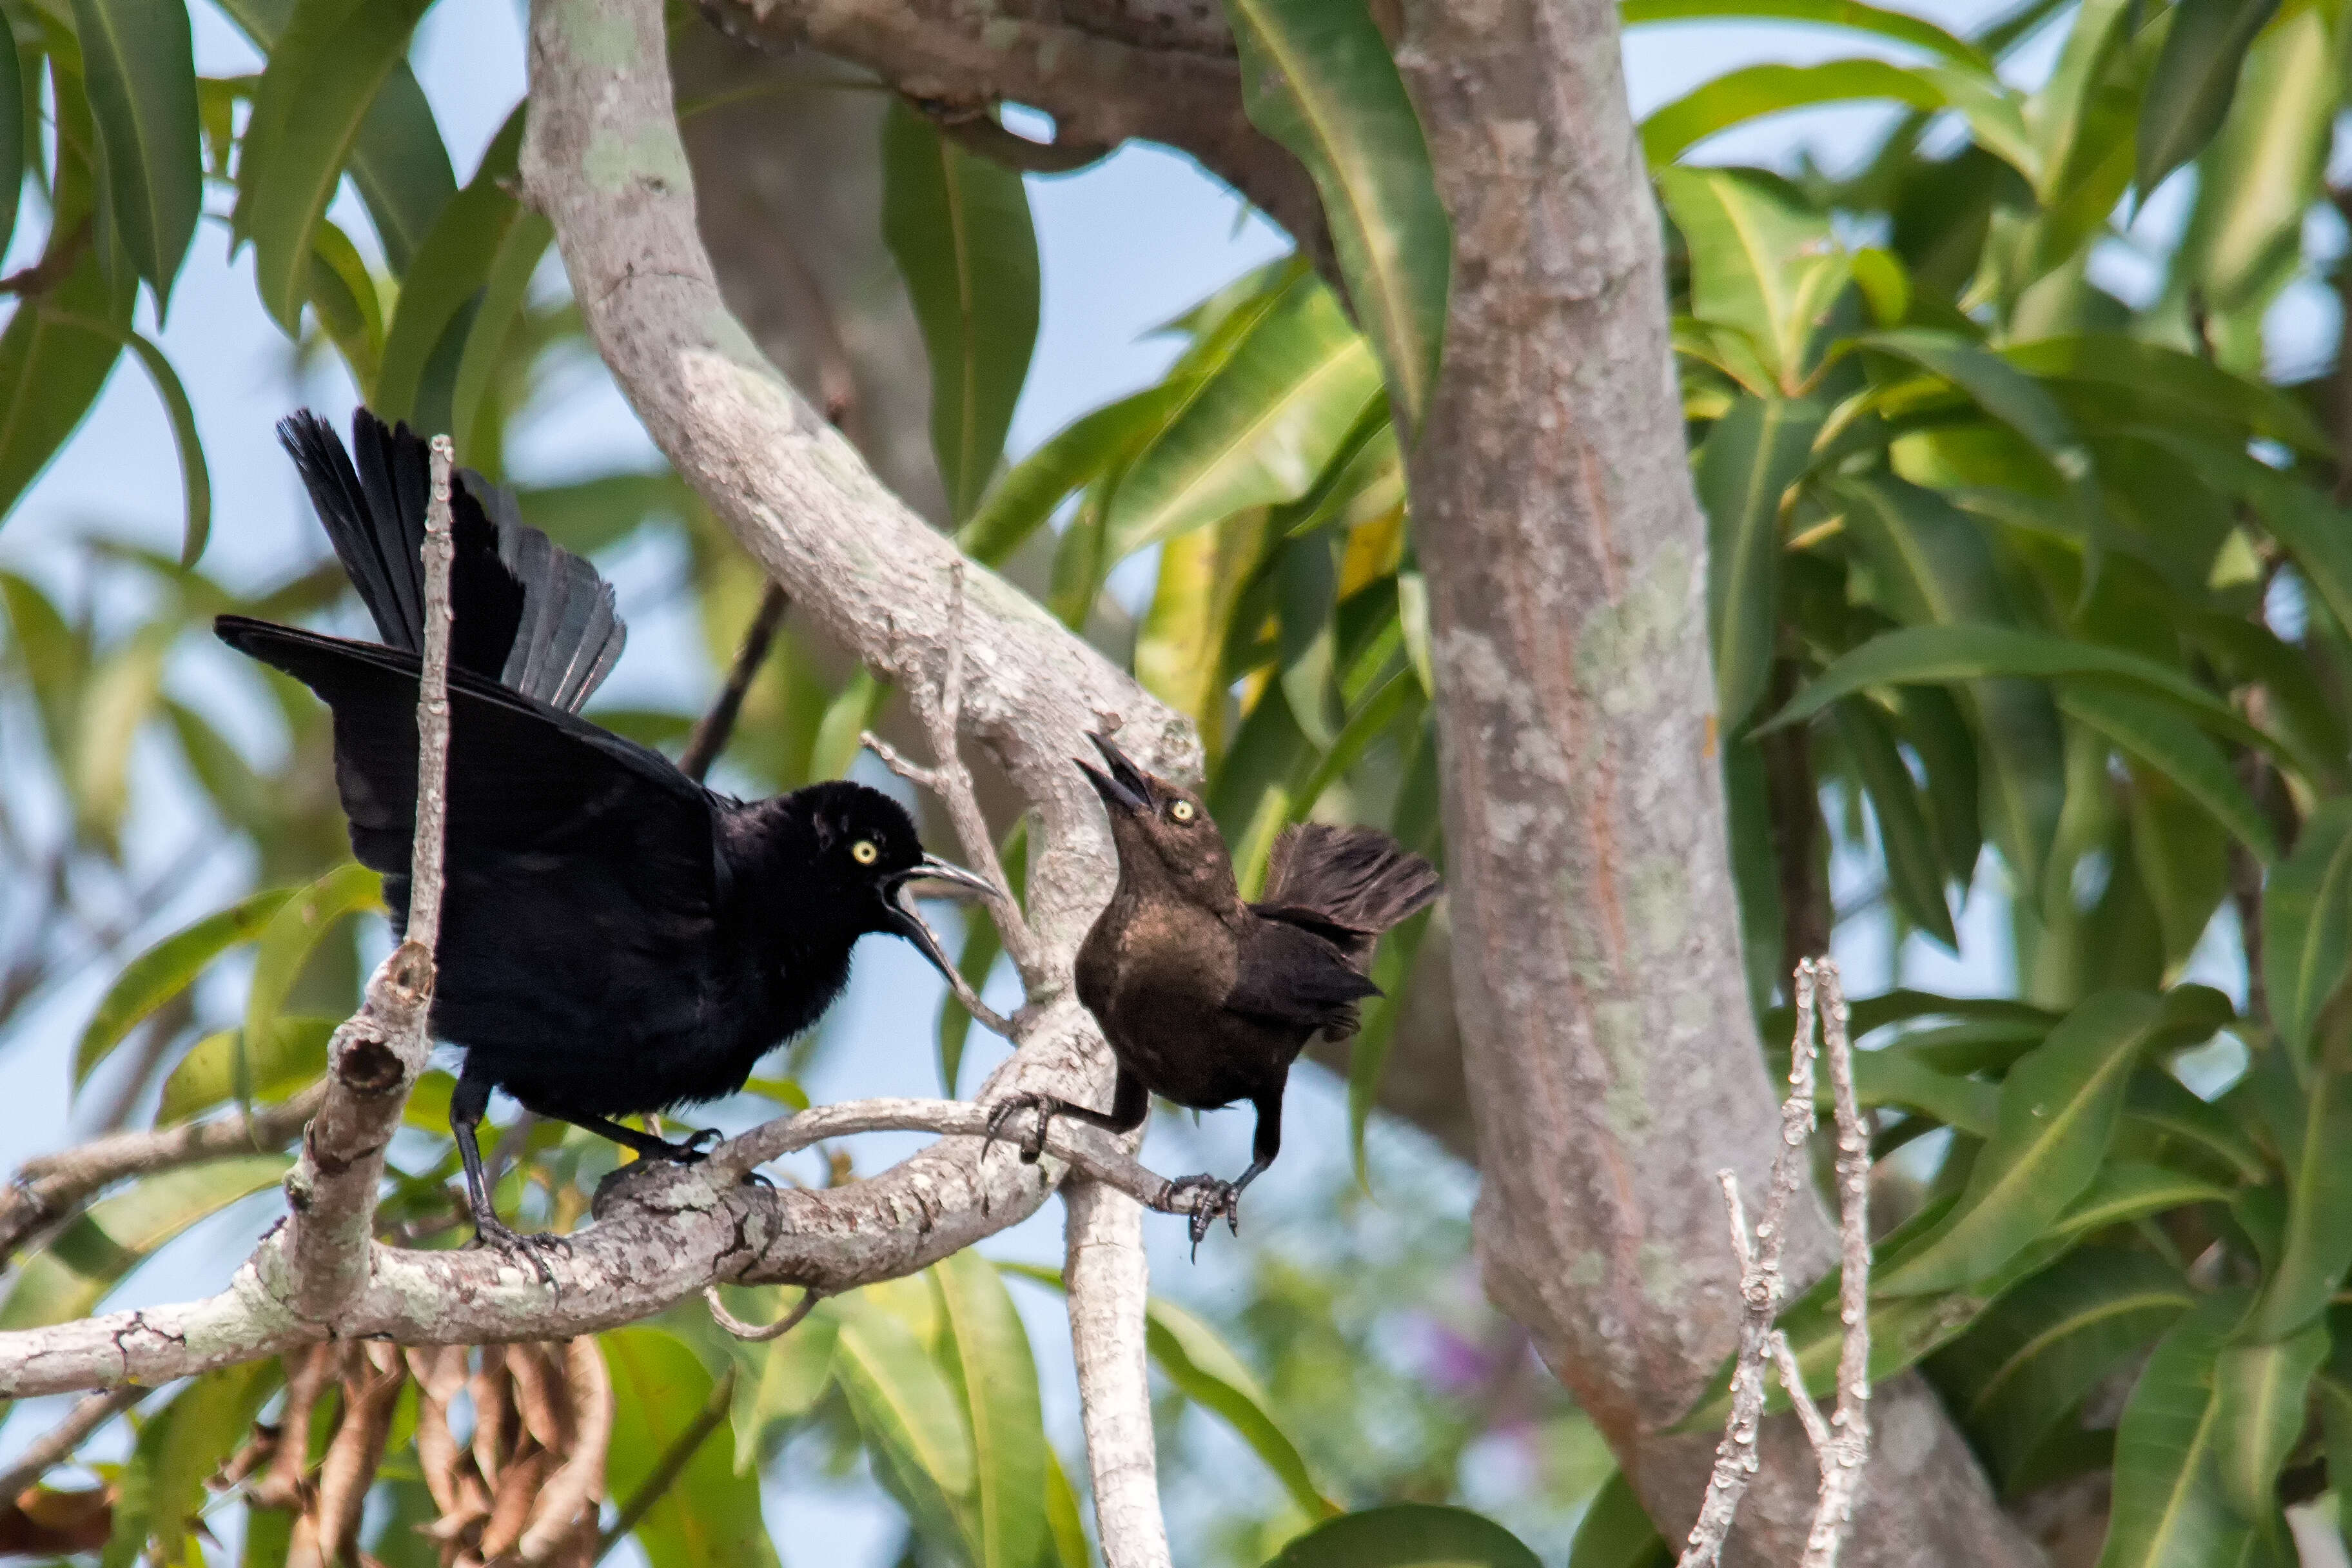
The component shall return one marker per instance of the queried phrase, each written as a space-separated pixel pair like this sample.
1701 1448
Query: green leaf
2316 1248
445 275
1749 459
2307 924
1899 26
2260 1391
1261 426
2260 176
1945 655
51 371
196 475
1021 502
2155 734
68 1279
1407 1535
904 1404
166 969
1180 646
998 1382
294 1056
1894 1076
323 75
12 142
1749 92
2158 1100
399 163
1063 1518
502 300
2196 76
139 65
349 308
853 709
1317 77
1197 1362
1616 1531
779 1384
959 227
1760 264
284 947
2058 1111
2169 1509
179 1448
2174 386
587 516
2002 390
710 1516
2037 1352
114 707
1915 874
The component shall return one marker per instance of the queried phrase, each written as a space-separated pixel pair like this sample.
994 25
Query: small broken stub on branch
1841 1442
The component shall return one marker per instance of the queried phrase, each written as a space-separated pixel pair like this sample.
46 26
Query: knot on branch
410 970
367 1065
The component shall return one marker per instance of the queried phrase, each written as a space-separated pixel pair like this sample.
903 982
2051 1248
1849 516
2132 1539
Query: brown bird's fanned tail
1347 884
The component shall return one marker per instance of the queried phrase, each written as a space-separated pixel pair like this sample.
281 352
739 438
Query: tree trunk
1611 1063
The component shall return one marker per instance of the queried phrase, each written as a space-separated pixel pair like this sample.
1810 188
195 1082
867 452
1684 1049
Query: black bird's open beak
1124 788
933 878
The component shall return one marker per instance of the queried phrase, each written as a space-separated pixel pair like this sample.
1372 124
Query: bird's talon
501 1237
753 1178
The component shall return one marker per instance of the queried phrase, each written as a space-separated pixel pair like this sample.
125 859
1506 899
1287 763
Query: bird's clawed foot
695 1150
491 1232
1045 1105
1204 1198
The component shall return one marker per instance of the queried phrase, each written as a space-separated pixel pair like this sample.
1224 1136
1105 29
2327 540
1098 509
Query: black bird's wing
530 615
1286 973
560 824
1346 884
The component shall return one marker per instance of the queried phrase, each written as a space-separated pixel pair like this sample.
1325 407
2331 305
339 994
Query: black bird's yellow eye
1181 811
864 852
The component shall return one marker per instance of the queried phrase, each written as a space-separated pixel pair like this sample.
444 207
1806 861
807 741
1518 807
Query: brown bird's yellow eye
1181 811
864 852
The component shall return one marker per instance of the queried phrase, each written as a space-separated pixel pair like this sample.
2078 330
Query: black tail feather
1351 884
530 615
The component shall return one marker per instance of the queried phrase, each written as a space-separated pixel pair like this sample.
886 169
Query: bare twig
1800 1398
939 704
758 1334
1759 1289
1109 1281
57 1445
48 1189
1844 1456
377 1054
713 730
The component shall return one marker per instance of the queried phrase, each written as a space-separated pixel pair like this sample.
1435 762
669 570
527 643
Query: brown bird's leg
466 1104
1213 1197
1128 1102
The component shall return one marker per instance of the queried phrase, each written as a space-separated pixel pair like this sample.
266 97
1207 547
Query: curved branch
1105 1268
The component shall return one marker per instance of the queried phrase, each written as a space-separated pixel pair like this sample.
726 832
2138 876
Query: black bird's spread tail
531 615
1346 884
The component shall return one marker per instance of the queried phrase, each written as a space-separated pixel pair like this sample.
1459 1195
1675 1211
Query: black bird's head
870 860
1162 831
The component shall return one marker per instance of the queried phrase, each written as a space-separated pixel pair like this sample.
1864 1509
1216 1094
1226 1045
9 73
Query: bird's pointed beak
1124 787
934 878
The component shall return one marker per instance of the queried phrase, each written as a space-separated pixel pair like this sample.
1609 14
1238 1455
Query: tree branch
50 1188
713 730
1108 1284
378 1054
55 1446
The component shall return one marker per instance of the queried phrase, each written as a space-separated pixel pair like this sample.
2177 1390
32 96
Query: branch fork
1842 1442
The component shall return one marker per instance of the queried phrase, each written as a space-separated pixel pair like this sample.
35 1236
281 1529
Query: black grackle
1207 1000
615 939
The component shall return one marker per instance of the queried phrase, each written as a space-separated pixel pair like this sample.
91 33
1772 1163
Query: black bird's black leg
1129 1101
466 1104
1213 1197
689 1152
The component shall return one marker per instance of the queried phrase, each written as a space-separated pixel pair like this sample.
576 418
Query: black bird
615 939
1207 1000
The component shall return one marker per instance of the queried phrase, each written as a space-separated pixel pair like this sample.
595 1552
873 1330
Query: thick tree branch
1108 1283
1107 70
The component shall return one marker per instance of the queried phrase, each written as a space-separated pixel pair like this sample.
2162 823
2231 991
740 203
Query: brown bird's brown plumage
1206 1000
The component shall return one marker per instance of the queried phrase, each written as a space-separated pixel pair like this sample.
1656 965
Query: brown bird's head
1163 833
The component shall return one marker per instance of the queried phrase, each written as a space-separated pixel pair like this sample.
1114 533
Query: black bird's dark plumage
615 939
1206 1000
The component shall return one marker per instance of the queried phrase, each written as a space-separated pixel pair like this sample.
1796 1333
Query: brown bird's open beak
1125 788
936 878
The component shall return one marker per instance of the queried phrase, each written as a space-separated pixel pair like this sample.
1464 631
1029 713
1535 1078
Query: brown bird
1206 1000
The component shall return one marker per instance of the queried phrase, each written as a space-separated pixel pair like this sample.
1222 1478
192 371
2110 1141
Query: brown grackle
1207 1000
